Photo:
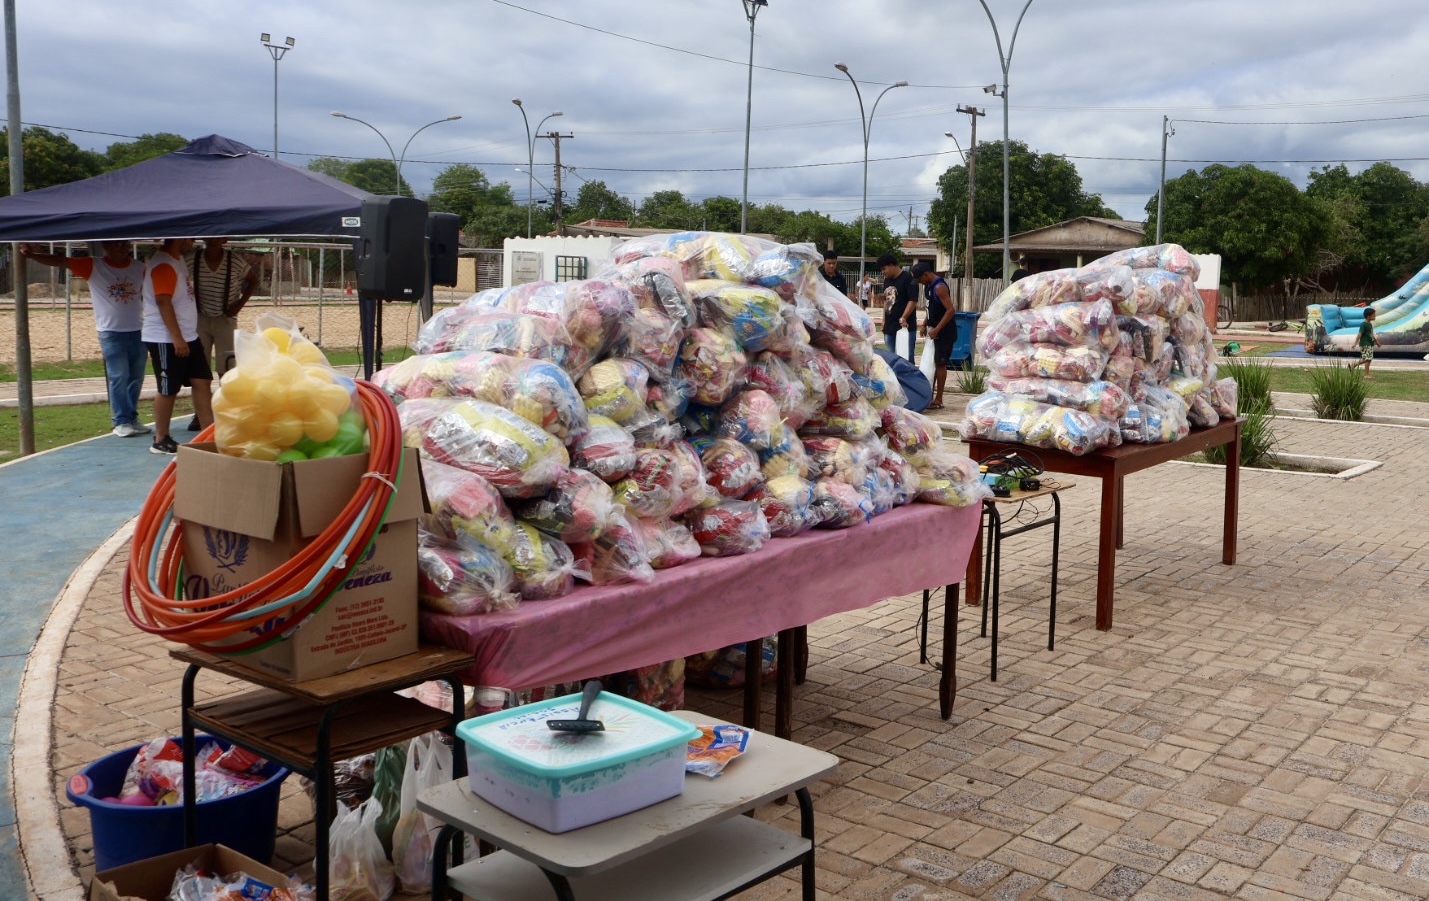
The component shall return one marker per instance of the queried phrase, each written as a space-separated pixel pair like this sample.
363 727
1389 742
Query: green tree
669 209
1044 189
1386 206
1263 227
371 175
494 223
596 201
145 147
721 214
464 190
50 159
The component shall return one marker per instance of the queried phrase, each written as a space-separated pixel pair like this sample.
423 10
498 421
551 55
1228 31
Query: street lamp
531 155
1167 130
867 123
751 10
1006 60
396 160
277 51
532 177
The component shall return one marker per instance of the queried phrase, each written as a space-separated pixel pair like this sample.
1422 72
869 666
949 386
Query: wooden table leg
1106 549
973 580
948 678
753 657
1120 515
784 667
1228 540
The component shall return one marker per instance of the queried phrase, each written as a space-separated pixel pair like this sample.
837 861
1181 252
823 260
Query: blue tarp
915 383
214 186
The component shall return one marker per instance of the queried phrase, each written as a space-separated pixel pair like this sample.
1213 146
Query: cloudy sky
653 91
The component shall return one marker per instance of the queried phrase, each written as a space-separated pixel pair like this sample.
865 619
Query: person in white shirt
171 335
114 292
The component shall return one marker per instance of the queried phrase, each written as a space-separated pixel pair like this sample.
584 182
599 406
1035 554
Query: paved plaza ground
1251 731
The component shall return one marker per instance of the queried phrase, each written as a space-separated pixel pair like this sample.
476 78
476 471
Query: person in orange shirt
171 335
114 293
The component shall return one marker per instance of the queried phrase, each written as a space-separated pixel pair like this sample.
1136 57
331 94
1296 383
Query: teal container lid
520 736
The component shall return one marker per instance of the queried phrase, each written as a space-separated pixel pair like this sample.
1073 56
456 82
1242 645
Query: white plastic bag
927 363
901 343
357 868
429 764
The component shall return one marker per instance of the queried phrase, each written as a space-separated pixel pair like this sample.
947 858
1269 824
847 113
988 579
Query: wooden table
693 847
307 726
1112 465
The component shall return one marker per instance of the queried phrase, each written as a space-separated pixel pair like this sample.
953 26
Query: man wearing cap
831 273
900 304
940 327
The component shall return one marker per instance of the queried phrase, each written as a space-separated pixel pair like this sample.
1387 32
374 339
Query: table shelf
711 864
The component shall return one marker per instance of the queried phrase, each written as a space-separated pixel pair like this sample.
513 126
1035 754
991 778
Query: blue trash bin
967 337
246 822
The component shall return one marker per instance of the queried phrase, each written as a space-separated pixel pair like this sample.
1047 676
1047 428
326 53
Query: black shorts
173 372
943 345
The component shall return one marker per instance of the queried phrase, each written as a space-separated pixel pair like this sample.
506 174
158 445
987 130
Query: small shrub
1252 378
1257 434
972 380
1338 392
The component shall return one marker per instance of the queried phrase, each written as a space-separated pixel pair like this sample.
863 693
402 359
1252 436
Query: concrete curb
42 842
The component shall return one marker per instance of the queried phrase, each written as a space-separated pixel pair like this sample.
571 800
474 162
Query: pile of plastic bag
1117 350
706 393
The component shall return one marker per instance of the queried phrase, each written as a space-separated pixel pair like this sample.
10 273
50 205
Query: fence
1237 307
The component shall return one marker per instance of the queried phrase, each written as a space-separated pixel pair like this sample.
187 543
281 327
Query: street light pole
867 123
1167 129
396 161
1006 60
751 10
277 51
530 155
970 158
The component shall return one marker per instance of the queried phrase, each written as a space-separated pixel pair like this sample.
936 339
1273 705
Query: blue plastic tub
247 822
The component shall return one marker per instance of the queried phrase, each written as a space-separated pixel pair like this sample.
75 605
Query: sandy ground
57 335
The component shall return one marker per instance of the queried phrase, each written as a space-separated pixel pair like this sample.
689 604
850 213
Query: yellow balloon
321 426
286 370
237 386
320 373
244 422
261 450
279 337
304 397
334 398
285 430
307 353
227 437
270 396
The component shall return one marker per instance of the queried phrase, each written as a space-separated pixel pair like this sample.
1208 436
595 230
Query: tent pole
322 272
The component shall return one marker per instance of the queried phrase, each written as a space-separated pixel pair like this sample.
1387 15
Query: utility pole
556 206
972 113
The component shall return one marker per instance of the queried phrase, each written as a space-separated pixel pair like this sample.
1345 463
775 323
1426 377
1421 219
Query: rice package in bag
1021 359
733 469
1199 410
656 283
785 270
462 579
652 488
787 504
713 363
787 458
513 454
1064 325
617 556
951 480
911 434
1041 289
544 567
1112 283
773 375
464 504
853 420
836 458
499 331
880 387
1225 397
752 315
750 417
839 505
594 312
830 313
691 488
281 401
728 528
615 388
578 507
903 475
668 543
605 449
1099 398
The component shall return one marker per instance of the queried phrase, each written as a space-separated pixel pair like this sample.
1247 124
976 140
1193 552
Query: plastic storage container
246 822
561 781
967 335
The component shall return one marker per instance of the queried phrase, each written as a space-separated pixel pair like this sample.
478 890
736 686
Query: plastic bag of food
1099 398
616 389
1064 325
728 528
786 458
853 420
951 480
605 449
544 566
462 579
667 542
826 379
911 434
830 457
831 314
880 387
1171 257
750 417
839 505
618 555
712 363
1022 360
578 507
857 354
1164 293
477 327
652 488
357 866
429 764
1225 397
1113 283
903 476
1017 419
516 456
652 339
657 283
691 480
785 270
593 311
670 398
787 504
752 315
281 401
1041 289
733 469
773 375
715 749
1199 410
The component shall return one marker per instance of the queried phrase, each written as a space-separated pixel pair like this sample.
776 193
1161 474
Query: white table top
769 768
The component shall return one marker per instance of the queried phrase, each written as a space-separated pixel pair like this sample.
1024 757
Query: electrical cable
153 579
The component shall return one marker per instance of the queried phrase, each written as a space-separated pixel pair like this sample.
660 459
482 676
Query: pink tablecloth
712 602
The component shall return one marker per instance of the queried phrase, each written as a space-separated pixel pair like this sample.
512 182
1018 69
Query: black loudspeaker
443 230
391 251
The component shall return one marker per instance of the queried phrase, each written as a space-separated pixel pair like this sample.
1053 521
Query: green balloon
325 451
291 454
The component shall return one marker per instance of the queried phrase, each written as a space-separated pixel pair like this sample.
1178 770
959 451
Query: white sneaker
129 430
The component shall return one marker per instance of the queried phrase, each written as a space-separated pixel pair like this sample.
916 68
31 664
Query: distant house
1074 242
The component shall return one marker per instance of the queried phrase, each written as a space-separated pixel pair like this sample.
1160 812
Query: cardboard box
151 879
241 519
